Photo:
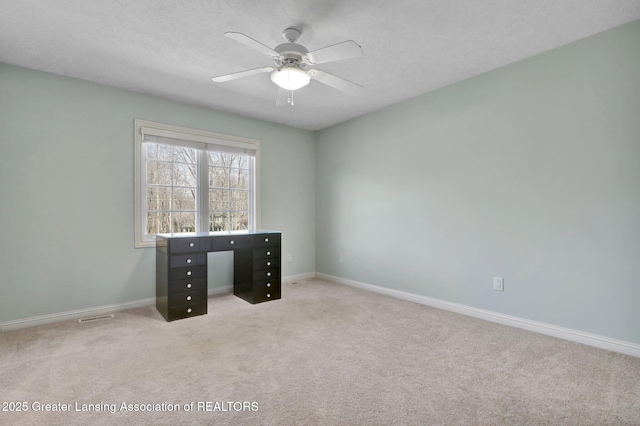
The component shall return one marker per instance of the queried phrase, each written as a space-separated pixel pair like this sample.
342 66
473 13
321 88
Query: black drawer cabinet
181 269
257 270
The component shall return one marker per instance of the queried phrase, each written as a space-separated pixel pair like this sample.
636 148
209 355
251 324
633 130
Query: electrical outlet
341 258
498 283
289 258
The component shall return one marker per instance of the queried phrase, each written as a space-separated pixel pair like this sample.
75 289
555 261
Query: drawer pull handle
266 240
268 284
268 274
189 273
191 244
188 260
268 294
232 242
189 310
189 285
268 263
268 253
188 297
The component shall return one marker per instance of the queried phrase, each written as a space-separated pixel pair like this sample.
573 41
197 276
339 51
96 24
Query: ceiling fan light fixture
290 78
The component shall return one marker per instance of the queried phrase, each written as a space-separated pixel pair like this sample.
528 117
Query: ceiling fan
292 62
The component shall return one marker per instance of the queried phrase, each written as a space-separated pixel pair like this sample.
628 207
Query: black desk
181 269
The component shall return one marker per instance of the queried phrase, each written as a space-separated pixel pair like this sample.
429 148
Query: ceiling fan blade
235 75
345 50
335 82
283 96
248 41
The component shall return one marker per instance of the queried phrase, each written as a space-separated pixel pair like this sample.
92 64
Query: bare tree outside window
171 188
171 185
228 191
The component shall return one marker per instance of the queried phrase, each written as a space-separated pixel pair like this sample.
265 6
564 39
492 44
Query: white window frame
193 138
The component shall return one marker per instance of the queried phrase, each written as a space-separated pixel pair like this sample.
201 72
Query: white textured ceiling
173 48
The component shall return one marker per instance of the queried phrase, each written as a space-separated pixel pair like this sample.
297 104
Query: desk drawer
265 274
266 264
266 252
183 245
229 242
267 285
188 260
188 298
186 311
265 240
179 286
187 272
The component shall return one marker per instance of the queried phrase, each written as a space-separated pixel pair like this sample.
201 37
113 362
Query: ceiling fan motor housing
291 53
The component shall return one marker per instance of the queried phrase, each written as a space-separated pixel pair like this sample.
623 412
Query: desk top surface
215 234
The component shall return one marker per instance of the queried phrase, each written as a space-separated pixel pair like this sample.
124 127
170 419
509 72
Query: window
193 181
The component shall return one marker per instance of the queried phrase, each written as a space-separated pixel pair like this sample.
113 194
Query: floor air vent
93 319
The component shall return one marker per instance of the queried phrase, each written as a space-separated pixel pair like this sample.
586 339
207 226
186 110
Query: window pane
184 199
239 178
185 155
159 152
159 172
218 221
218 199
218 177
184 175
221 159
184 221
241 162
239 200
239 221
158 198
158 223
150 150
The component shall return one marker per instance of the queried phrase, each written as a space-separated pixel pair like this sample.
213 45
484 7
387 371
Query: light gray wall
530 172
66 191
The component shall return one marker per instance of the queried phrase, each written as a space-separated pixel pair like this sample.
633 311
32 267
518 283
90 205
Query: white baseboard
73 315
214 291
601 342
300 277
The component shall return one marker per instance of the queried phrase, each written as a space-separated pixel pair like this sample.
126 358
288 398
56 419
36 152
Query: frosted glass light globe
290 78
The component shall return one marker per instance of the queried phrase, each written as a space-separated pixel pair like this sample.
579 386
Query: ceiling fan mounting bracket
291 35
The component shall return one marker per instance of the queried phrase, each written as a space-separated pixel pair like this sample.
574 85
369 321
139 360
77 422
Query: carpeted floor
325 354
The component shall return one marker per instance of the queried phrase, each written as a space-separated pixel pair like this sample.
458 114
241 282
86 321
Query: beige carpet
325 354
